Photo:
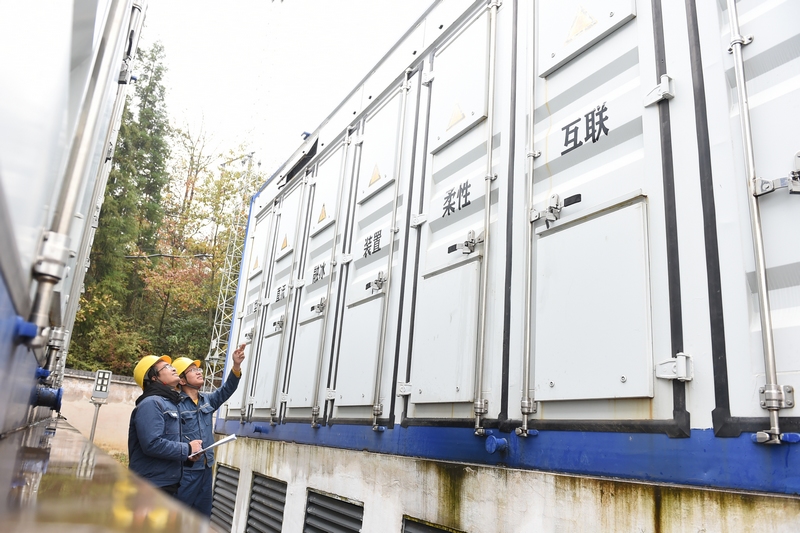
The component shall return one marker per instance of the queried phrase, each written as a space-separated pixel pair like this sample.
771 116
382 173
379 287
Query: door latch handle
554 207
320 306
376 284
466 247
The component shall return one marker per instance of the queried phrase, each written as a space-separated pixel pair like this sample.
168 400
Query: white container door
372 237
250 298
281 279
446 313
317 270
594 305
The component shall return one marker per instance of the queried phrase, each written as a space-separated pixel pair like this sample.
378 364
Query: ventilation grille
225 486
411 525
266 505
331 515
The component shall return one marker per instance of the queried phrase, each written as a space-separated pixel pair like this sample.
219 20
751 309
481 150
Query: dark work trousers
195 489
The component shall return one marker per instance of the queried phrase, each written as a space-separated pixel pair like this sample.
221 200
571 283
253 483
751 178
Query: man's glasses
163 367
193 369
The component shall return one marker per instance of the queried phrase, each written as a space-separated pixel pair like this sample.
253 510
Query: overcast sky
262 72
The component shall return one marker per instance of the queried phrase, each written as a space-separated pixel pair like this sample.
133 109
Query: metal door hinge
404 389
554 207
418 220
330 394
680 367
663 91
284 397
345 258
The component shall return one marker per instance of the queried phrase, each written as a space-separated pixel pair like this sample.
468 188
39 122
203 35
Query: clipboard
220 442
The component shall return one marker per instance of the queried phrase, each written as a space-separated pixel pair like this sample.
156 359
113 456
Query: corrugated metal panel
331 515
412 526
226 484
267 499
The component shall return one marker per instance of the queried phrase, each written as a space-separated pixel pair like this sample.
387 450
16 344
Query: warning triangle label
322 214
456 117
376 175
583 21
285 242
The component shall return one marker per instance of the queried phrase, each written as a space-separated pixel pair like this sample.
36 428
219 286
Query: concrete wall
112 422
473 498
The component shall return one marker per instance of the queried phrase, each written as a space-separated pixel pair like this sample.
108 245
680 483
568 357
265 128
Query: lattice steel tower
226 299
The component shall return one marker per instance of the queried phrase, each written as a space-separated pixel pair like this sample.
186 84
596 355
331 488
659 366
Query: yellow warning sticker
285 242
322 214
376 175
456 117
583 21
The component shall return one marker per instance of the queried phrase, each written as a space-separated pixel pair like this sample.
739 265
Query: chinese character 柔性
449 202
463 194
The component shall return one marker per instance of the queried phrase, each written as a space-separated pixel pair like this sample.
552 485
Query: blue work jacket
197 421
156 449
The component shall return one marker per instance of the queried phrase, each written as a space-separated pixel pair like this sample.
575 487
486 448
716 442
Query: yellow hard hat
182 363
144 365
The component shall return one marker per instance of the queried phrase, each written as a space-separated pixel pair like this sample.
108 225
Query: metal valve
554 207
466 247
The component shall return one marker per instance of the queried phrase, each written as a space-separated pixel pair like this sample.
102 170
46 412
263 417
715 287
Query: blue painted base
701 460
17 367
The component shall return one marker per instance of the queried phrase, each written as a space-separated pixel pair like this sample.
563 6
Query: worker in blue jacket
196 414
156 450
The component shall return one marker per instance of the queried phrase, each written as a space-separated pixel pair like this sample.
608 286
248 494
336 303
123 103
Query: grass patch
120 457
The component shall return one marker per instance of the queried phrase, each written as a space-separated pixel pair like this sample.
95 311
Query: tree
105 330
170 210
